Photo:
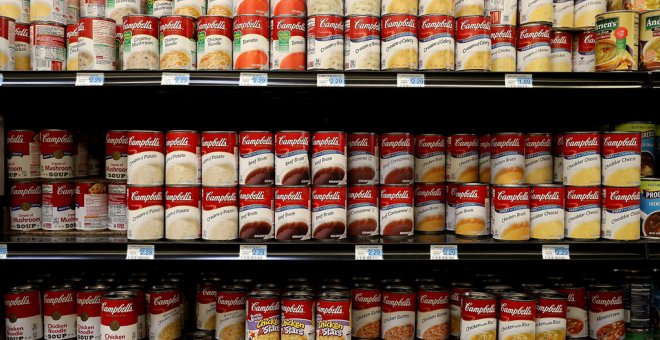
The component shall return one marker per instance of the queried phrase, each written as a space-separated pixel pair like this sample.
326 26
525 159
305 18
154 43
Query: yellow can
649 40
617 39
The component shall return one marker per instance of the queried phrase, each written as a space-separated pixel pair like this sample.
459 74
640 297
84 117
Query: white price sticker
444 252
330 80
175 79
518 81
90 79
3 251
140 252
253 252
410 80
556 252
253 79
363 252
2 79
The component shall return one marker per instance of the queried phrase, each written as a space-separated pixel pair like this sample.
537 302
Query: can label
467 8
257 158
561 44
146 158
484 158
534 51
517 318
430 158
510 213
450 207
507 158
397 159
160 8
455 300
96 44
582 212
551 317
536 11
182 215
584 51
399 45
620 214
287 38
429 7
503 48
648 144
333 319
576 312
502 12
214 41
617 37
581 159
49 10
191 8
329 158
255 214
119 319
18 10
329 212
140 43
23 315
246 7
23 154
291 158
563 13
92 8
396 210
398 7
398 315
117 206
362 213
116 155
363 154
325 42
91 205
472 42
606 317
429 207
292 213
464 158
164 314
538 158
366 312
298 318
478 318
22 46
361 7
219 213
547 212
56 154
182 159
436 42
432 314
471 210
88 309
284 7
219 158
262 318
25 206
146 213
650 205
230 315
622 159
250 42
47 47
362 43
178 49
649 32
116 10
59 314
58 206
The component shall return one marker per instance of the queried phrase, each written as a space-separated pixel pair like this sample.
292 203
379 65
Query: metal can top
581 132
214 131
334 296
515 296
651 179
333 288
263 294
130 287
478 295
462 285
533 285
567 285
366 285
99 18
59 287
361 278
187 131
298 295
603 287
46 22
119 295
211 279
508 133
267 286
296 287
549 294
234 288
97 287
163 288
536 23
433 288
22 288
498 287
399 289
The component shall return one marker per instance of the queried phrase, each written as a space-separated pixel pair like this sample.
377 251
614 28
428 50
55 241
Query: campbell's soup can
399 42
25 205
561 45
116 10
430 158
582 162
362 43
467 8
334 7
117 207
254 7
329 161
606 314
116 154
399 309
214 42
510 213
617 38
88 310
478 315
159 8
362 212
363 158
432 312
397 160
648 147
547 203
471 209
328 212
620 213
585 11
435 7
502 12
325 42
650 196
72 47
649 31
19 10
292 158
183 158
429 207
58 205
91 204
298 319
558 158
396 210
436 42
563 13
182 212
92 8
366 310
584 51
455 300
22 47
287 43
96 44
507 158
503 48
230 310
23 154
577 321
140 43
361 7
57 148
219 213
251 43
287 7
292 213
219 158
60 312
463 158
205 303
534 51
119 317
538 158
23 312
622 159
140 306
450 206
473 43
192 8
484 158
47 46
146 158
517 315
583 212
333 315
256 158
551 309
178 48
49 11
255 212
163 307
146 212
262 315
536 11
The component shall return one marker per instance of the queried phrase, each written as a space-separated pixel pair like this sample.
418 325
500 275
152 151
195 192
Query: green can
648 143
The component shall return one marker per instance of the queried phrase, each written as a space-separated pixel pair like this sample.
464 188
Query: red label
262 196
504 35
18 142
586 42
470 194
62 194
88 188
576 297
87 28
537 145
122 311
620 144
510 198
398 24
456 297
291 142
251 24
484 144
261 309
551 308
219 142
360 28
428 301
333 310
576 143
143 24
328 142
116 144
71 34
577 197
324 27
434 25
25 195
514 310
23 305
23 33
507 144
144 197
365 298
162 302
530 36
619 198
55 39
472 27
428 145
294 25
392 144
89 303
142 141
230 301
297 309
362 144
206 293
463 145
558 144
291 197
621 33
252 143
187 141
62 301
451 193
476 309
360 195
219 197
325 197
56 140
177 25
426 193
546 197
390 195
215 25
398 302
182 197
562 41
251 7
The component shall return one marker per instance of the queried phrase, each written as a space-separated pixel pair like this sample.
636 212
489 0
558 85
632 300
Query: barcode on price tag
363 252
518 81
175 79
330 80
444 252
253 79
140 252
90 79
556 252
253 252
3 251
410 80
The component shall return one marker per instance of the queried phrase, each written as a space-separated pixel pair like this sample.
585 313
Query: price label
2 79
556 252
90 79
368 252
140 252
253 252
444 252
175 79
253 79
330 80
518 81
410 80
3 251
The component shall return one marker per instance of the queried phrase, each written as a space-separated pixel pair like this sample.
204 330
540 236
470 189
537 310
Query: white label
410 80
253 79
89 79
140 252
253 252
3 251
175 79
555 252
518 81
444 252
363 252
330 80
2 79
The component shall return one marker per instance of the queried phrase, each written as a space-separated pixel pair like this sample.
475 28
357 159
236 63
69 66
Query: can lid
508 133
23 288
96 287
187 131
399 288
234 288
533 285
298 295
549 294
582 133
59 287
263 294
163 288
432 288
299 287
650 179
213 131
334 296
517 296
296 131
478 295
267 286
603 287
361 278
548 134
498 287
130 287
366 285
462 285
333 288
145 131
119 295
211 280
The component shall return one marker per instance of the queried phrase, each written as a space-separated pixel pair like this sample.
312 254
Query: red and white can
581 166
256 8
329 162
507 158
7 43
48 11
220 8
429 207
397 7
622 160
366 310
292 158
116 154
536 12
362 213
230 310
547 203
72 47
292 213
436 42
620 213
118 9
47 46
450 206
534 52
464 158
517 315
432 312
455 301
163 308
472 207
333 315
399 45
576 313
22 47
551 309
219 213
219 158
183 158
96 44
205 304
262 315
92 8
57 150
117 206
325 42
119 317
606 314
363 162
397 160
88 310
139 48
178 46
510 213
57 210
25 206
584 51
251 45
315 7
60 312
538 158
257 158
473 43
214 42
23 154
362 43
427 7
287 43
298 309
561 46
146 158
140 307
182 212
23 311
328 212
430 158
478 315
91 205
396 210
583 212
284 7
146 212
399 308
255 214
503 48
558 155
484 158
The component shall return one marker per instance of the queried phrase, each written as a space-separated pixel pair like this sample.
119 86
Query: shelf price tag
140 252
330 80
175 79
556 252
444 252
89 79
3 251
368 252
253 252
253 79
2 79
410 80
518 81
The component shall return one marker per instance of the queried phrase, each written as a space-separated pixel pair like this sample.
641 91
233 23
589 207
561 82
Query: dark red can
517 314
478 315
362 213
255 215
328 212
606 312
397 159
164 311
292 213
329 162
455 301
577 320
230 307
119 316
551 309
363 154
396 210
88 309
23 311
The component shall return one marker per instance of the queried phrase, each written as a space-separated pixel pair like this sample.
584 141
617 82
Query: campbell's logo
559 40
123 308
81 26
487 309
325 23
178 141
589 39
237 301
396 195
467 194
174 300
60 299
359 297
520 311
151 141
330 196
472 143
527 34
251 24
265 140
252 196
300 141
570 297
360 142
46 138
570 141
548 196
591 195
15 139
256 307
619 143
423 143
155 196
207 292
327 141
90 300
291 196
405 23
228 197
216 142
456 297
283 25
62 190
615 196
511 142
140 25
402 302
443 300
427 24
436 192
213 25
503 34
361 25
31 190
331 310
402 142
362 194
294 309
521 196
181 196
550 309
172 25
466 25
121 140
544 143
25 33
19 301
